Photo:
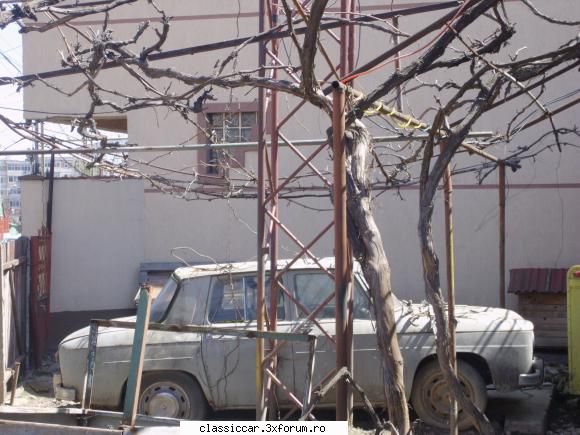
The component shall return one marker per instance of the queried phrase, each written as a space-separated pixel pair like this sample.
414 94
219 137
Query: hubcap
164 399
436 396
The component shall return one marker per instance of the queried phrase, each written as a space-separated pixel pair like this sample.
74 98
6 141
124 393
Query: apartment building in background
11 171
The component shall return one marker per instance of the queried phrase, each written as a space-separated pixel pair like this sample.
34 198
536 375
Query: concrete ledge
523 411
27 428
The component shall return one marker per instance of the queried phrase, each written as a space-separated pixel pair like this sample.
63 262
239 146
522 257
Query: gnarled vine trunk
368 249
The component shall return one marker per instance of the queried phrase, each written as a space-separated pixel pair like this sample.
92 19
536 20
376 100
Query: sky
11 99
10 65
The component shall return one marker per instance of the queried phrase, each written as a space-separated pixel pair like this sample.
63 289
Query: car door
311 287
229 362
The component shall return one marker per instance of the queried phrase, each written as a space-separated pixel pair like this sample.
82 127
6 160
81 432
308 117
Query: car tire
430 395
173 395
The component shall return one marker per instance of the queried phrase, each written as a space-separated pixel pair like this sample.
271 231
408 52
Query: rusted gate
13 260
40 248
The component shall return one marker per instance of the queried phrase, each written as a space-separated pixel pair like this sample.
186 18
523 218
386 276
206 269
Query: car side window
233 298
186 308
313 287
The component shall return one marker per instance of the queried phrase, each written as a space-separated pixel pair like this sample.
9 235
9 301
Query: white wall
97 242
121 224
104 230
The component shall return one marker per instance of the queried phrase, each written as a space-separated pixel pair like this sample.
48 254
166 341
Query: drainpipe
50 196
27 307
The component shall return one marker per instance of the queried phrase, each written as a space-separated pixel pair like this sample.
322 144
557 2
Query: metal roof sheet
537 280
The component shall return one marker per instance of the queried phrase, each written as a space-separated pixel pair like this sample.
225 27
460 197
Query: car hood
418 318
113 337
80 338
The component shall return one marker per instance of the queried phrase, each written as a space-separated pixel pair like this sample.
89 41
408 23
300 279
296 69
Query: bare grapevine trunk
368 248
430 179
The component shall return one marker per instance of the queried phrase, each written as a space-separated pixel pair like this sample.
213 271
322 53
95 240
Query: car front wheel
173 395
430 395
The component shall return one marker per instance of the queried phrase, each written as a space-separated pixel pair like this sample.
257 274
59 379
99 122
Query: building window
225 123
227 127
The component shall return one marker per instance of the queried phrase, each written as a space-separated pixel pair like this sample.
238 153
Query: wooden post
2 337
137 357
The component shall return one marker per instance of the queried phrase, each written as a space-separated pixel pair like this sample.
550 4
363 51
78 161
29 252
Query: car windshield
163 300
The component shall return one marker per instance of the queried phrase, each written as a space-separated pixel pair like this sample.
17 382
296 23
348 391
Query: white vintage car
186 374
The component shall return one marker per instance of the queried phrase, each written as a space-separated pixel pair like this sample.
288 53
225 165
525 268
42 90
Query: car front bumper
536 375
61 392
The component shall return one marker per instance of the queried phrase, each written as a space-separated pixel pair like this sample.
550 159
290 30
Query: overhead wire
352 77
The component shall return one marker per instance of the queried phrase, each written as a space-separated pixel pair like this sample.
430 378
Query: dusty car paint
497 342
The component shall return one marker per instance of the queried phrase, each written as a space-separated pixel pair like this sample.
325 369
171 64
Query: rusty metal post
351 36
345 39
502 234
448 200
342 290
260 401
344 320
309 375
273 227
395 39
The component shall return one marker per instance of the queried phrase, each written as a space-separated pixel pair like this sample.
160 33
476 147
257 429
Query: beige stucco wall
97 241
126 223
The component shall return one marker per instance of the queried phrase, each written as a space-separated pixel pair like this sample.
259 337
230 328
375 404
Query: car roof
189 272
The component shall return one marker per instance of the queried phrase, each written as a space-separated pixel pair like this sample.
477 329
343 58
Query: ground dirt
36 390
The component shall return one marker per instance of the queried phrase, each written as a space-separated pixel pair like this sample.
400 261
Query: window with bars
228 127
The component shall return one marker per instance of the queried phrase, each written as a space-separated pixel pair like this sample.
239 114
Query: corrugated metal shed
537 280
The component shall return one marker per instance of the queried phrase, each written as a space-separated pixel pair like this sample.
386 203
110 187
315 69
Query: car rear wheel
172 394
430 395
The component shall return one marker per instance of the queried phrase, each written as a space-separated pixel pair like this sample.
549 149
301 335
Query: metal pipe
300 244
42 160
49 203
395 39
196 147
226 332
342 294
27 362
286 391
448 202
303 158
344 37
305 163
309 375
274 207
231 43
260 405
348 255
351 37
502 261
408 41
